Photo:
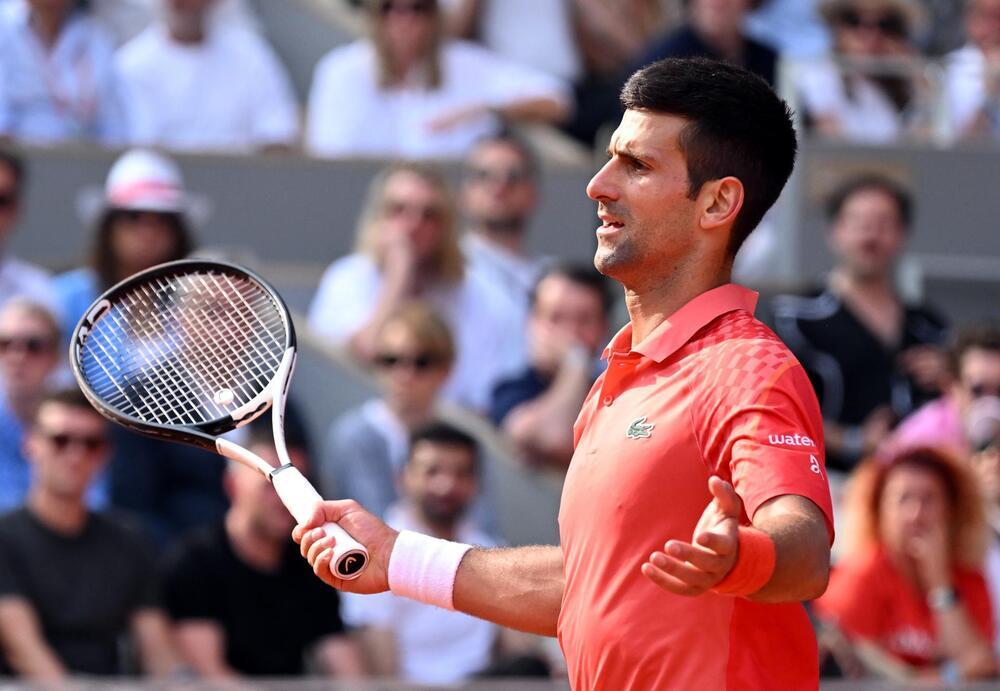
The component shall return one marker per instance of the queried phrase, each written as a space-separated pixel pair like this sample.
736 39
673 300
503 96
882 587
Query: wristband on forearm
754 564
423 568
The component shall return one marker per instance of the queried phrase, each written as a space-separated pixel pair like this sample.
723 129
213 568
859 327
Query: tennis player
696 513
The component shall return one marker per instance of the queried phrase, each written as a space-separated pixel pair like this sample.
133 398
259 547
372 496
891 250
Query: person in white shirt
57 80
408 92
198 86
18 278
408 250
127 18
499 195
422 643
972 74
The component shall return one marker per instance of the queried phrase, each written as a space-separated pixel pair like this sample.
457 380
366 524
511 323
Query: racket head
186 350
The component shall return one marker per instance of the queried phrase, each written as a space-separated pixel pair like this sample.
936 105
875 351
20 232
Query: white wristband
423 568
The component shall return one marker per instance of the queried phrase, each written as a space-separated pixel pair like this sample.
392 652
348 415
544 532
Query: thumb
725 496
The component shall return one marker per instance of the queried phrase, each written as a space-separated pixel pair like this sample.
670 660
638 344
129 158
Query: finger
317 548
309 538
321 567
688 574
723 544
725 496
705 559
317 519
668 582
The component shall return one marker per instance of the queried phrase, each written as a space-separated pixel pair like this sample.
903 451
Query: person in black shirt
871 357
74 584
243 601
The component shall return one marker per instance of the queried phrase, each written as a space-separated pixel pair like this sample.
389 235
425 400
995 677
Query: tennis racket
190 350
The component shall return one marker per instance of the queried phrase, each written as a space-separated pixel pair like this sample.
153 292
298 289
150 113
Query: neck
651 306
412 417
259 552
727 40
47 24
510 237
64 515
444 531
187 31
845 282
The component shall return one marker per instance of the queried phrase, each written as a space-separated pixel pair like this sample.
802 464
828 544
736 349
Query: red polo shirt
711 391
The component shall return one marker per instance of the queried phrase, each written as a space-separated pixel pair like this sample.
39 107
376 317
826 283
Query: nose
602 187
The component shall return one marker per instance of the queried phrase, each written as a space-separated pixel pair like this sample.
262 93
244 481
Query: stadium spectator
953 421
499 195
869 90
74 583
715 30
18 277
421 643
408 249
986 464
972 74
242 600
416 94
793 27
142 217
909 592
128 18
30 349
197 85
57 78
368 445
871 357
567 327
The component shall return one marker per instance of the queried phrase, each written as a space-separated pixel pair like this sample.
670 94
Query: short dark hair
71 397
977 336
438 432
871 181
508 137
584 275
736 126
15 164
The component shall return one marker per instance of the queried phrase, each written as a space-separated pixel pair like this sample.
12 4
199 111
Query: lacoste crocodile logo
640 429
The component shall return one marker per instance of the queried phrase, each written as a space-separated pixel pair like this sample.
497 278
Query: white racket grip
300 498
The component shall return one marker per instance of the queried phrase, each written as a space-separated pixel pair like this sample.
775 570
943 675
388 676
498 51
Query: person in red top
696 513
908 592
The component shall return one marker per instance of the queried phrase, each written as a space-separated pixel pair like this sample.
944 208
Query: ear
720 201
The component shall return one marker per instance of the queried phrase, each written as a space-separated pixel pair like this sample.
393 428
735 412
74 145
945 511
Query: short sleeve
764 430
345 298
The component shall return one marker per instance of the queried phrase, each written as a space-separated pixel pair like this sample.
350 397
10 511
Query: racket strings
185 348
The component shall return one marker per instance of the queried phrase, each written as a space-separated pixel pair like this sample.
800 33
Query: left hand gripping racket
190 350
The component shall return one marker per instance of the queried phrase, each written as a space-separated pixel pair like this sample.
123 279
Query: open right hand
376 536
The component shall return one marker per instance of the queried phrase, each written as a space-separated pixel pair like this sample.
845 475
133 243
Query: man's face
249 492
868 234
498 191
983 24
649 222
10 201
68 445
566 314
28 352
440 480
979 376
412 211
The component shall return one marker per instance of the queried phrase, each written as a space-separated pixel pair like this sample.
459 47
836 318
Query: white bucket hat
143 180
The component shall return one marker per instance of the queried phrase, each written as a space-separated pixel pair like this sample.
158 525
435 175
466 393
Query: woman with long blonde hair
909 592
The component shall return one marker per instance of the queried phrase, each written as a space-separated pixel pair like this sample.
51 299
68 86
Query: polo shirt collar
678 328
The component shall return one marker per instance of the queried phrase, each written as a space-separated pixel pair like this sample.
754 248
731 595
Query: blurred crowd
124 555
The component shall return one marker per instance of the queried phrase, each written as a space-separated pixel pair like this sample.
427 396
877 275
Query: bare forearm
28 653
545 425
152 634
394 292
520 588
548 110
802 549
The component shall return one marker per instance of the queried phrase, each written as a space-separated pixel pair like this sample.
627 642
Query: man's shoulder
347 59
204 545
15 522
142 49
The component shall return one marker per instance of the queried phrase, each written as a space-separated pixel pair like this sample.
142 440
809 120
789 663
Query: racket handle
300 498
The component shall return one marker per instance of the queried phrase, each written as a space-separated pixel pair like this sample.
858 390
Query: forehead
910 478
436 453
52 414
405 183
980 361
648 133
17 320
496 150
557 289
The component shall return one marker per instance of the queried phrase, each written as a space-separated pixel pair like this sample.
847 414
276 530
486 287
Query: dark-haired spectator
499 195
871 357
909 592
18 277
73 583
714 29
416 94
972 74
57 78
367 446
198 85
951 421
408 249
567 326
869 90
242 600
418 642
986 464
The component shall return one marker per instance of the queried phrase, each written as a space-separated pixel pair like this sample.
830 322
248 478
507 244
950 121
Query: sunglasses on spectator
889 24
8 200
395 209
421 362
505 176
410 8
31 345
983 390
90 443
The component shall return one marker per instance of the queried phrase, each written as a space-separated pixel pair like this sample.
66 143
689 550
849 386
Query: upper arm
18 621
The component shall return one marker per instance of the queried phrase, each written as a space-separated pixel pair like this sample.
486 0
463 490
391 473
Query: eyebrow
628 152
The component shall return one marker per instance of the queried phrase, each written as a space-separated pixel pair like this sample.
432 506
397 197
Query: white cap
143 180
